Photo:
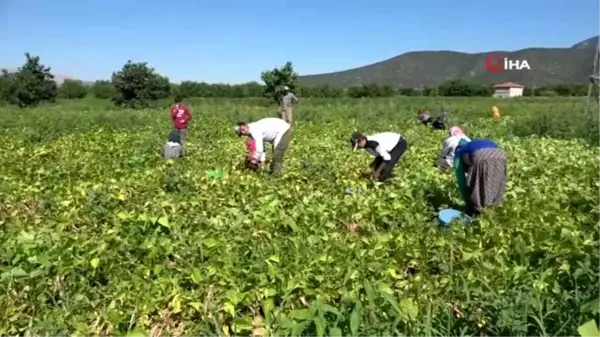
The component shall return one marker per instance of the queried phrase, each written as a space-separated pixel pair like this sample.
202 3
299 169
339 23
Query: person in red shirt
181 116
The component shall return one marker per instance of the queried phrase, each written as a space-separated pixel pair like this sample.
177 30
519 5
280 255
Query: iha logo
495 64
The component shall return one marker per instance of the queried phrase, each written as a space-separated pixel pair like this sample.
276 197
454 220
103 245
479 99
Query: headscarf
456 131
423 117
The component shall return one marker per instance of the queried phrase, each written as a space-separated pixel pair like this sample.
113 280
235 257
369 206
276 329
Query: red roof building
507 85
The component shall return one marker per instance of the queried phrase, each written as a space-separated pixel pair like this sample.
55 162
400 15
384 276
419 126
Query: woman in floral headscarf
449 145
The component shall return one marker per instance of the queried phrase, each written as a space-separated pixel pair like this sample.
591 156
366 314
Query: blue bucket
446 216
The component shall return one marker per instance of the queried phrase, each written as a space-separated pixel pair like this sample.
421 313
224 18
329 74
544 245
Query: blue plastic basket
446 216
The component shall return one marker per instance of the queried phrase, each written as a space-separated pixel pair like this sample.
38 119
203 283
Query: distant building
508 89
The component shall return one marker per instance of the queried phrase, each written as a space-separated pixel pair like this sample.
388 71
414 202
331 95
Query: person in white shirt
449 145
387 148
271 130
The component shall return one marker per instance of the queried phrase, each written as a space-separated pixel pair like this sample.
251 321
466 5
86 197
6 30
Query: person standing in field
287 101
271 130
173 148
387 148
181 117
480 168
449 145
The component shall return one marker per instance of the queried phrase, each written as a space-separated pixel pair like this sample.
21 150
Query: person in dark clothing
173 148
387 148
437 123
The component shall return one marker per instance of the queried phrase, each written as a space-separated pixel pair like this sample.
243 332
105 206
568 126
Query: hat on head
356 136
286 88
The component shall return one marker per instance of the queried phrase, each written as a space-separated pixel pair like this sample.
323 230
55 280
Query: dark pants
396 154
279 152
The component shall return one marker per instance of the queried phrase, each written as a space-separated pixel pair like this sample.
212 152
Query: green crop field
100 236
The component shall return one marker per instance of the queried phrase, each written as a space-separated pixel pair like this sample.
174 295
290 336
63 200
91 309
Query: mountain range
429 68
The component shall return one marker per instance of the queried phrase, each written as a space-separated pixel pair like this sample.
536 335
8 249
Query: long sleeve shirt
449 147
269 130
474 145
381 144
181 116
287 100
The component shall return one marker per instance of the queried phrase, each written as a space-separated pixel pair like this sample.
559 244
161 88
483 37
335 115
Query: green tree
5 86
137 85
275 80
103 90
72 89
31 84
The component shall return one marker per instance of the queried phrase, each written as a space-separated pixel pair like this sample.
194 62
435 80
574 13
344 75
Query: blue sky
232 41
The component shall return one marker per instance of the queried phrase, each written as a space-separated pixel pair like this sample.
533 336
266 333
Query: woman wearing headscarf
480 167
438 123
449 145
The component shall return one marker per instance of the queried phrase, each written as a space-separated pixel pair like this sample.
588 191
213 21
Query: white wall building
508 89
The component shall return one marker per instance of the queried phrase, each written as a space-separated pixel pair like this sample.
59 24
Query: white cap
286 88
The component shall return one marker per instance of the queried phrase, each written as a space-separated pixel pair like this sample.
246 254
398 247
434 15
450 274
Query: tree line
137 85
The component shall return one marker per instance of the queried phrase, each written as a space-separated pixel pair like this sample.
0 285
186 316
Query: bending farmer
446 159
438 123
387 148
480 167
271 130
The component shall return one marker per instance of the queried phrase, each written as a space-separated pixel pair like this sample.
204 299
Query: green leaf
592 306
355 320
163 221
409 308
94 262
299 327
301 314
18 272
320 324
335 332
589 329
370 292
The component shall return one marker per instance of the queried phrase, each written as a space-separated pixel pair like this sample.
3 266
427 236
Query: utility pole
594 86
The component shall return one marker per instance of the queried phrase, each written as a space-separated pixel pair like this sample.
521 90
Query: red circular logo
494 64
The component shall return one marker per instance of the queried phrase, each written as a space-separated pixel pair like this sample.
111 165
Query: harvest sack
172 150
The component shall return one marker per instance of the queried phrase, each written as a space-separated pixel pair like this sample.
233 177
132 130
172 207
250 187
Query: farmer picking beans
271 130
181 116
438 123
387 148
449 145
480 168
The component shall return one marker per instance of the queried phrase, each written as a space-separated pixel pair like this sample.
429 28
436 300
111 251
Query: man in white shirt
446 159
270 130
387 148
